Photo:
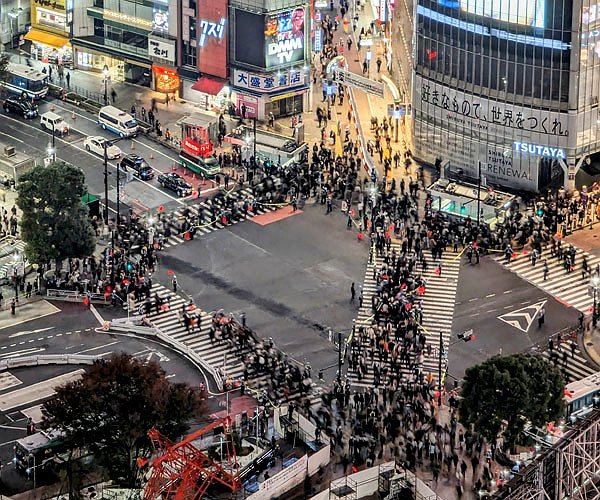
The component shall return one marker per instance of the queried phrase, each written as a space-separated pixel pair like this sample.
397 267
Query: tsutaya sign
537 149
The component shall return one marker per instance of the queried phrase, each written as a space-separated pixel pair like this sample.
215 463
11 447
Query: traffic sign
360 82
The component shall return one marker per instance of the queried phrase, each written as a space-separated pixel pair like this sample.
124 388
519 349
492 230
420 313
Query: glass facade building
508 88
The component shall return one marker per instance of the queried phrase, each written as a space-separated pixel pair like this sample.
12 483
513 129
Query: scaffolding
570 469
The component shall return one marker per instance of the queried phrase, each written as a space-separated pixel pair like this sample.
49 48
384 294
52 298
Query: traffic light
463 210
540 212
452 206
466 336
129 266
86 302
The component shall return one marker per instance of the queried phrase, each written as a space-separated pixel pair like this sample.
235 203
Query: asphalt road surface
28 136
291 277
501 310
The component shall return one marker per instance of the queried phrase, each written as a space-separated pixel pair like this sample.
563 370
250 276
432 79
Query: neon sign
211 29
537 149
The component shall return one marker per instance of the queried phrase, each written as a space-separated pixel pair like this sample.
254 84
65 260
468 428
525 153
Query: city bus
582 396
26 81
38 450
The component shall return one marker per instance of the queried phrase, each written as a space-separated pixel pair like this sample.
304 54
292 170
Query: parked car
138 166
20 106
176 183
95 144
54 123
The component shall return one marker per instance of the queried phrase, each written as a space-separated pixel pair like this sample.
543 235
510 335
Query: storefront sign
127 19
539 150
284 35
318 42
212 38
51 4
160 20
360 82
382 11
251 104
165 79
211 29
196 149
270 82
161 48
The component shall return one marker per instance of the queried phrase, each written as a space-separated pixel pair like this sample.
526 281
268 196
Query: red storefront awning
207 85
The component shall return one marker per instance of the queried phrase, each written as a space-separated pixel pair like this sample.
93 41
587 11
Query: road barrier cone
151 155
52 108
73 115
132 145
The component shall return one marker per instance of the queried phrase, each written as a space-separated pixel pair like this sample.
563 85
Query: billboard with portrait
285 37
160 20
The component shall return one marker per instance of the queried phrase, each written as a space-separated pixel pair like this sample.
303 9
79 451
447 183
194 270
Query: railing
140 325
75 296
47 359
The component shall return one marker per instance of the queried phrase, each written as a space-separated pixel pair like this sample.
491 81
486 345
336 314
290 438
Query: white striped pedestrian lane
569 288
218 354
177 217
18 246
438 310
573 364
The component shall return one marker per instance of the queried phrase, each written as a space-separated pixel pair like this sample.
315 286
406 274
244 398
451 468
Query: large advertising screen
525 12
285 36
248 44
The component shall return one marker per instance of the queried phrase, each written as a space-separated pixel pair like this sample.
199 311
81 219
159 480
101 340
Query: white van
117 121
54 123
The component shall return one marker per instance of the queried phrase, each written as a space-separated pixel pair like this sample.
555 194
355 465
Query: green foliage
112 408
499 395
54 224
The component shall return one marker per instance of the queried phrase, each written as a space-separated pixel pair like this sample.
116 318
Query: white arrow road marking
522 318
28 332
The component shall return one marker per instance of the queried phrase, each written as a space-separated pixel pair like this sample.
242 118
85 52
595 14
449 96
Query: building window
99 27
189 57
193 29
99 4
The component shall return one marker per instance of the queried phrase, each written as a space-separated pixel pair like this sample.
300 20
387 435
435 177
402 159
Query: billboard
285 36
212 37
525 12
160 20
248 46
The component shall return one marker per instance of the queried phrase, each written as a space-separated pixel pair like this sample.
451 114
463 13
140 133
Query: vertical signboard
285 36
212 37
318 45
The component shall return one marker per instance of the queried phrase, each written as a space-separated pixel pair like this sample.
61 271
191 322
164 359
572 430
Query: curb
589 345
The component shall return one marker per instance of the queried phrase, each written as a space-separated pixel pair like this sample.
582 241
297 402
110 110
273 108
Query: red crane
181 471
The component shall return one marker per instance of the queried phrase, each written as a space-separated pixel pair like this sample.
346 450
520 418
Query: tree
501 394
54 224
113 406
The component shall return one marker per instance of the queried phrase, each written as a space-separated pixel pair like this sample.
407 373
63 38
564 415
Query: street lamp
594 286
32 469
105 71
15 259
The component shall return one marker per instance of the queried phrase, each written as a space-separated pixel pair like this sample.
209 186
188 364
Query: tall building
134 39
269 55
508 88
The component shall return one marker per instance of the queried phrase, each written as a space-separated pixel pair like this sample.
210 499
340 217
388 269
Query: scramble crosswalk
570 288
210 223
221 355
438 310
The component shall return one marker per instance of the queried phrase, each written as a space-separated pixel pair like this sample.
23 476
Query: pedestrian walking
352 292
546 270
378 62
113 96
174 283
68 77
13 306
541 317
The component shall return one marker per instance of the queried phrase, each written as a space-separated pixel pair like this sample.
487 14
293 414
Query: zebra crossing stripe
568 287
438 311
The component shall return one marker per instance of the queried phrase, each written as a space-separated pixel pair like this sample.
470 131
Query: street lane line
37 392
33 350
28 332
13 138
99 347
83 150
25 320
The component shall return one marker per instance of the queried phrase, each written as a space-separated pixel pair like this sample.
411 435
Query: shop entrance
285 107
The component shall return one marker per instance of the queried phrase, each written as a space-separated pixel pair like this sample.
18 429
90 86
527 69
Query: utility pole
340 360
478 190
440 356
104 144
254 130
118 194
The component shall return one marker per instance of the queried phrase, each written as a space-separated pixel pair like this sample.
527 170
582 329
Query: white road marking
28 332
99 347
